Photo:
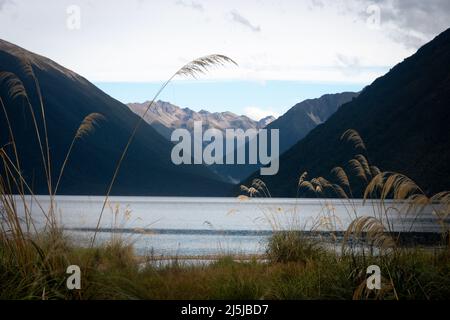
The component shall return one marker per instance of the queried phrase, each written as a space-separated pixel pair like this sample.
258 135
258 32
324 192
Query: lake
172 226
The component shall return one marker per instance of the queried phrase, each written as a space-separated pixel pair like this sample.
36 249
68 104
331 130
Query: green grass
114 272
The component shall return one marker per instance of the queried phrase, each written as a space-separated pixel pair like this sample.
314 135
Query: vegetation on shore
37 270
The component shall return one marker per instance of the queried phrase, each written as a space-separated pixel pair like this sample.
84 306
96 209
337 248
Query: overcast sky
343 42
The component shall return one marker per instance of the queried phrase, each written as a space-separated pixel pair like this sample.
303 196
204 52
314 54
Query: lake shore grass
291 269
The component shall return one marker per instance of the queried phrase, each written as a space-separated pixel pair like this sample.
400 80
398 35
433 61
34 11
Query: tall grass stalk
191 69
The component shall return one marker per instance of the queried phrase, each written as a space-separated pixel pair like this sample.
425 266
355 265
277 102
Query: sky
286 50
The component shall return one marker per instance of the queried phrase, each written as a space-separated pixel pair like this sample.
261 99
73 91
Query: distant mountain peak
295 124
166 117
266 121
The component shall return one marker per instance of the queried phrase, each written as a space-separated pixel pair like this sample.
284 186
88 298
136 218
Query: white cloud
294 42
257 114
190 4
409 22
414 22
238 18
4 3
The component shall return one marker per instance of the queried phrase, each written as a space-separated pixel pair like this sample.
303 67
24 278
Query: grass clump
112 271
292 246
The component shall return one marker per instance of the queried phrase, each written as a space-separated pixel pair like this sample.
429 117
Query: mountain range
293 125
298 121
166 117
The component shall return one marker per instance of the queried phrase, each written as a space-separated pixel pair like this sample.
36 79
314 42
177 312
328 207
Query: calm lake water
208 226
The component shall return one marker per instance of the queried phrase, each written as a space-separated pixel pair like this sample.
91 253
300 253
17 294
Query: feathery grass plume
202 65
341 176
365 164
358 169
308 186
399 186
17 89
369 229
14 85
353 136
320 184
442 197
262 187
390 184
27 68
339 191
440 204
193 68
244 188
375 186
323 182
419 200
23 62
315 181
88 124
258 183
302 178
86 127
374 170
251 191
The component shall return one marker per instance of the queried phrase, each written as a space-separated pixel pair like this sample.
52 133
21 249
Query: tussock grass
408 272
292 246
112 272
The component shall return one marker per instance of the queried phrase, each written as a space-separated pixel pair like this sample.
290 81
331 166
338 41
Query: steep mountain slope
404 118
68 98
166 117
295 124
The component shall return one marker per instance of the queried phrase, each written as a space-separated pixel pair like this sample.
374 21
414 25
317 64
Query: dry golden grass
15 86
341 176
353 136
375 232
86 127
203 64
